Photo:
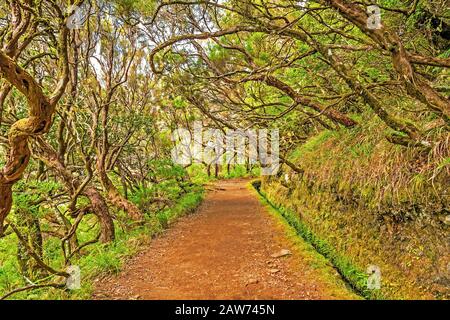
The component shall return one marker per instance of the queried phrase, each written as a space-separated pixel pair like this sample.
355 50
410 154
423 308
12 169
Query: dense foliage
86 115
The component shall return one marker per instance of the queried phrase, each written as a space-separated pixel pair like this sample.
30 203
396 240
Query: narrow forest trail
225 251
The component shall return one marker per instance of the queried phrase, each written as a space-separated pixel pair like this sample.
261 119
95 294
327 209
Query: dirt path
224 251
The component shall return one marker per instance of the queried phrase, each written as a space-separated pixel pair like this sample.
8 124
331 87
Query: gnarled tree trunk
116 198
41 110
28 266
99 207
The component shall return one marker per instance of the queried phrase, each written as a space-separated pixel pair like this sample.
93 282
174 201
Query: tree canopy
91 90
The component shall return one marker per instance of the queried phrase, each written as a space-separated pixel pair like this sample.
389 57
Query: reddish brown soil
223 251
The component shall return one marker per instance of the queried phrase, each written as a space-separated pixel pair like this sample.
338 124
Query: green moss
325 271
96 259
355 277
312 144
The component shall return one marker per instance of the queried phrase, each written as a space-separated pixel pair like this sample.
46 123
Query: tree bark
38 122
114 195
28 266
99 207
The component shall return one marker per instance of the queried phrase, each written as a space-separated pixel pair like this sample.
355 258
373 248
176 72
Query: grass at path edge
355 279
